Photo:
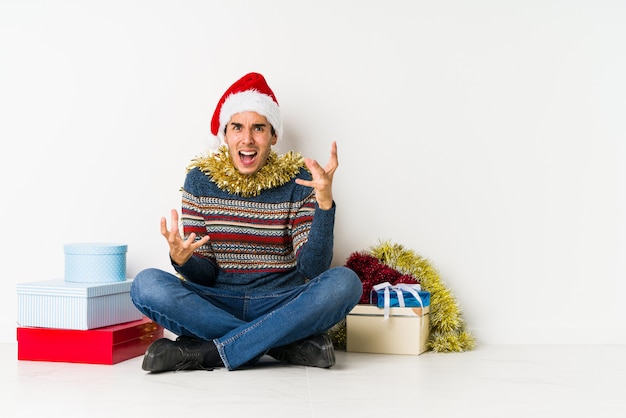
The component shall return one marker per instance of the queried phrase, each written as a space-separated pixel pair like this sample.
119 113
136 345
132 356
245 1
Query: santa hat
248 94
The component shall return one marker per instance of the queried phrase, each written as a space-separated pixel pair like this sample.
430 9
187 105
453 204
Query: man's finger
314 167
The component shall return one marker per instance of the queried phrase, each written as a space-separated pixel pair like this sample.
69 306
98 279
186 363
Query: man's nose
247 136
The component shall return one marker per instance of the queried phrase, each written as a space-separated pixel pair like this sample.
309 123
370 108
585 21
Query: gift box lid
60 287
373 310
109 335
94 248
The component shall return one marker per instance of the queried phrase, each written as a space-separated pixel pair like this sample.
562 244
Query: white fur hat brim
250 101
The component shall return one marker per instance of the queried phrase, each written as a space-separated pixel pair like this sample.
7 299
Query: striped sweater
273 241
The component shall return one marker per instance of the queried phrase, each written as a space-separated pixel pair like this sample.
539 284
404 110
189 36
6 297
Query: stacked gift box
396 321
86 317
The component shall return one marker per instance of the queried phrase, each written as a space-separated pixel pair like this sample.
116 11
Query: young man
253 261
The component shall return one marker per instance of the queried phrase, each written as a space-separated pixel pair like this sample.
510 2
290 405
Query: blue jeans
244 326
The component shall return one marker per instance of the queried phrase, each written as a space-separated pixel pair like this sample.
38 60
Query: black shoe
317 351
165 355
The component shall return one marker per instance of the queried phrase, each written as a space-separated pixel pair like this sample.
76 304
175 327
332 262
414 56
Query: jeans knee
142 281
348 284
356 283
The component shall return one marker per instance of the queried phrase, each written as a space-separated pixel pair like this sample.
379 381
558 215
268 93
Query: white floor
491 381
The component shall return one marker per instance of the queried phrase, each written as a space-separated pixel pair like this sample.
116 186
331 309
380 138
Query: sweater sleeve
316 255
199 270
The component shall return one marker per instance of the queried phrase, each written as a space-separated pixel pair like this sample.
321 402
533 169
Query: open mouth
247 157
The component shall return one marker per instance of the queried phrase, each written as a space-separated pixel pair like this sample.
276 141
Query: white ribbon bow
412 288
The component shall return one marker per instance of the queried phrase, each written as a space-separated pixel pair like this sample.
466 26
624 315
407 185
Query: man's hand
180 250
322 178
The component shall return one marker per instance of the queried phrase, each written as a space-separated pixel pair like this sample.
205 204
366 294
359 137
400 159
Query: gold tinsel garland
277 171
447 326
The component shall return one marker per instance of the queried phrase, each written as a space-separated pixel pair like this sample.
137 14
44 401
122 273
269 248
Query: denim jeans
244 326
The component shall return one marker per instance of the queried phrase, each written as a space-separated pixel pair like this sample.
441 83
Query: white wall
488 136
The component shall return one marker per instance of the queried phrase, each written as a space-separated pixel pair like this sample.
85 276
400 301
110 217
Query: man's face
249 138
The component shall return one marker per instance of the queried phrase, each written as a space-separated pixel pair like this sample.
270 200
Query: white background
487 136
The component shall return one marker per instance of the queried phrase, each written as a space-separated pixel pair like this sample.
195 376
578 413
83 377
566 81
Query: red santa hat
248 94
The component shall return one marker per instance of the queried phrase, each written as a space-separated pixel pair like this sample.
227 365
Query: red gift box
106 345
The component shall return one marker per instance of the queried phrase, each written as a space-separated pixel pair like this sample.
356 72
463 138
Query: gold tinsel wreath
277 171
447 326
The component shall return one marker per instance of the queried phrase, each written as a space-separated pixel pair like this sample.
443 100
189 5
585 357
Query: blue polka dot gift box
95 262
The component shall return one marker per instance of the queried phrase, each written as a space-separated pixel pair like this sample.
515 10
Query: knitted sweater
270 242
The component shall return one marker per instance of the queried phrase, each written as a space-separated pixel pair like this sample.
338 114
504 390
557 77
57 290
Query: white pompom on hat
250 93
